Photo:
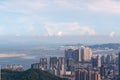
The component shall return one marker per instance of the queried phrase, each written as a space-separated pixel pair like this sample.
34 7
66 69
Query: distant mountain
103 46
31 74
79 44
99 46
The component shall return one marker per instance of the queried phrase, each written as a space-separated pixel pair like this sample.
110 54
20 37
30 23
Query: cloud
112 34
75 4
59 33
109 6
22 6
38 12
9 55
34 6
59 29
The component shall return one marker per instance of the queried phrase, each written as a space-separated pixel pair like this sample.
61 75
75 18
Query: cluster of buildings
13 67
81 64
82 74
107 65
56 65
78 61
78 64
41 65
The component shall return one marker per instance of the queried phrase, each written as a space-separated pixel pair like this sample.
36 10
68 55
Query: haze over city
61 33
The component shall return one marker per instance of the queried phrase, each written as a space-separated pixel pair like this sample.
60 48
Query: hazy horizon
58 40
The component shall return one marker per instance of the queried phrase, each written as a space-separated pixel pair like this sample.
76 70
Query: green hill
31 74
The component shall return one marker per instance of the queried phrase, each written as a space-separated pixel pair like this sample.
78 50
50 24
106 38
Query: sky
60 18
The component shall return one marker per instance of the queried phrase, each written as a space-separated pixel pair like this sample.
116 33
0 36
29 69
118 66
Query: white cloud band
59 29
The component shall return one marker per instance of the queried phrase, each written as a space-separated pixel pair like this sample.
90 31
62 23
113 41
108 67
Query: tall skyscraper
70 64
70 58
87 54
103 59
98 61
77 56
68 53
43 63
109 59
84 54
53 65
61 65
53 62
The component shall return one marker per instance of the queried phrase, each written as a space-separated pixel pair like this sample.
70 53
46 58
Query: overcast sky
60 18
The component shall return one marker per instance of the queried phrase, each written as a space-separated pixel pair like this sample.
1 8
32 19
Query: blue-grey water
32 54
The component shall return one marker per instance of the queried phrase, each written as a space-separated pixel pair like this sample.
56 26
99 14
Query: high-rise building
53 62
94 62
71 56
77 55
68 53
113 58
82 54
86 75
61 65
93 75
53 65
109 59
70 64
87 54
43 63
102 71
81 75
98 61
103 59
